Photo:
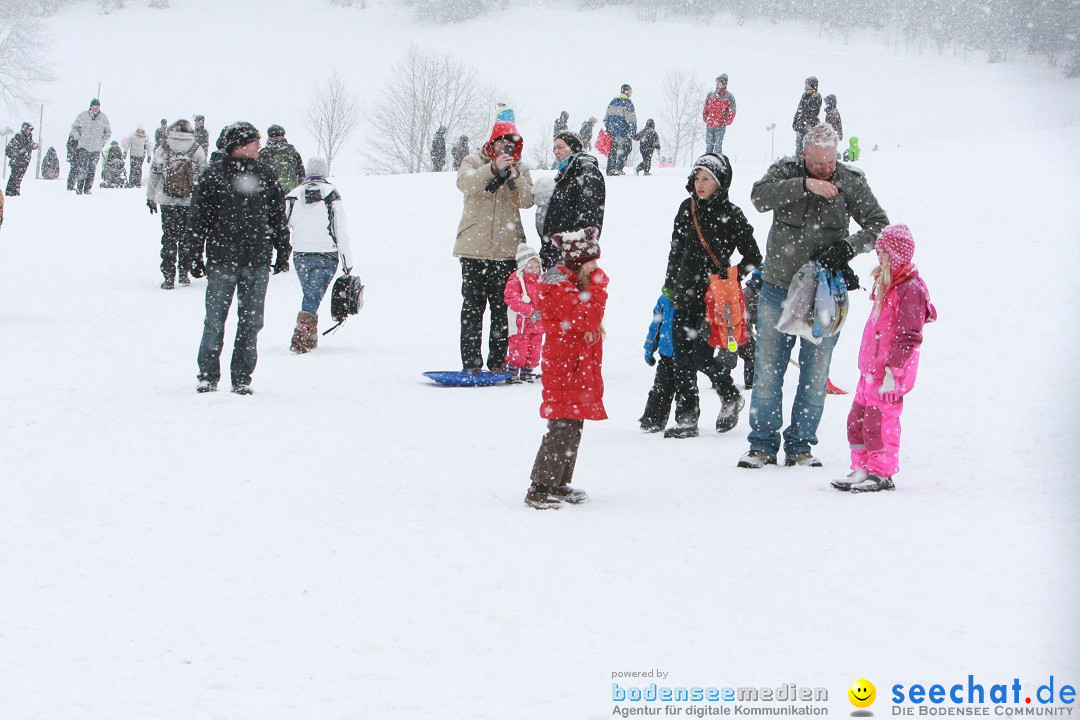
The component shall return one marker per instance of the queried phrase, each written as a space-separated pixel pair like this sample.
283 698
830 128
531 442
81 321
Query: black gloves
282 264
198 268
152 205
837 255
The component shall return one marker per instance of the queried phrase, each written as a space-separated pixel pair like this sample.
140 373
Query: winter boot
651 426
168 284
873 483
539 497
184 279
206 386
515 375
729 414
756 459
570 495
854 477
527 375
681 431
306 326
803 459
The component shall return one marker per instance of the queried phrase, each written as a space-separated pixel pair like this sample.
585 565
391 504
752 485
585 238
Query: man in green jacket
813 200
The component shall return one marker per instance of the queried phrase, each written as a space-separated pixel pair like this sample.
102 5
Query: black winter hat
572 139
812 82
722 77
239 134
275 131
716 165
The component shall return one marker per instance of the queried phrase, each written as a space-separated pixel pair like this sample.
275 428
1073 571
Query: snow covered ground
350 541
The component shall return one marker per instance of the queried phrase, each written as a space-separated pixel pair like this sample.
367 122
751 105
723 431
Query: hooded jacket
238 214
725 228
805 224
573 347
179 143
490 226
892 339
806 115
316 217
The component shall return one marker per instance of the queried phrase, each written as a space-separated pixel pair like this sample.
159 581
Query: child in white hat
523 351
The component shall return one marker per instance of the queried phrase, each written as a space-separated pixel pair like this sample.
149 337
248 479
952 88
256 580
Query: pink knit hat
896 241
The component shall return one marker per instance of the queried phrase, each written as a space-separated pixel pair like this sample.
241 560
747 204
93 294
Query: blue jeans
770 363
249 284
315 271
714 139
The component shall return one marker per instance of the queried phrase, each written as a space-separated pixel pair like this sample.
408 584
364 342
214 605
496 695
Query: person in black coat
648 143
725 228
50 166
19 151
578 199
438 149
806 115
459 151
238 216
586 133
832 116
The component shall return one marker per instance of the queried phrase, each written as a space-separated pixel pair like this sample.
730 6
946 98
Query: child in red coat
572 301
523 351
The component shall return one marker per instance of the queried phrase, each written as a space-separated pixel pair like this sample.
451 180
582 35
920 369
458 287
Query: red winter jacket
719 110
515 300
573 386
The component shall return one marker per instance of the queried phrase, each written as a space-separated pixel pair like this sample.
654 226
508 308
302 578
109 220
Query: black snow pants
483 284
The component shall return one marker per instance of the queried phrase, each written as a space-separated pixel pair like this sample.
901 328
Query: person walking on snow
620 121
91 131
718 113
813 201
137 147
175 167
832 116
283 159
648 143
888 363
659 339
19 150
521 296
806 115
320 236
438 149
573 297
238 215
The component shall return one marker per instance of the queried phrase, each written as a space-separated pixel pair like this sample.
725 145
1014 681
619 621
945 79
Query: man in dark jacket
806 115
459 151
238 214
586 133
202 135
282 158
438 149
19 151
620 121
813 200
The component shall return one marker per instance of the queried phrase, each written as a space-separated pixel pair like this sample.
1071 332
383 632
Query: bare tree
681 113
540 153
22 61
425 90
332 116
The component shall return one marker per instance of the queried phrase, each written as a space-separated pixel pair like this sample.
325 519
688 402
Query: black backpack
346 298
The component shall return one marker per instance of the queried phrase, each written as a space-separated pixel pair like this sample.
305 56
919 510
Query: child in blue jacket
659 338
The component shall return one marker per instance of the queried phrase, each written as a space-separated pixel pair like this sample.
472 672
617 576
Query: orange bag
725 304
603 142
725 310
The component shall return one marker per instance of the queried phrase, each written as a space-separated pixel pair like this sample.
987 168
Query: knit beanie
317 167
238 135
524 255
896 242
578 247
572 139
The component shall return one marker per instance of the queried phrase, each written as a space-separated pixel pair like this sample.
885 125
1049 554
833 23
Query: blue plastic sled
460 378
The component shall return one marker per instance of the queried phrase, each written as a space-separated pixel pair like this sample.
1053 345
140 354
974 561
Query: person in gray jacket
91 131
176 165
813 200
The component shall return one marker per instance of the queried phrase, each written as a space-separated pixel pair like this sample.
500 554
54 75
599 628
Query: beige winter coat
490 227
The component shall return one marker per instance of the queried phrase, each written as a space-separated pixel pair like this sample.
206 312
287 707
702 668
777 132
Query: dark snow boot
729 414
539 497
681 431
168 284
569 495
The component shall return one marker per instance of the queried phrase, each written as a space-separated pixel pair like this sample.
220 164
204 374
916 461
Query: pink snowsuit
521 295
892 341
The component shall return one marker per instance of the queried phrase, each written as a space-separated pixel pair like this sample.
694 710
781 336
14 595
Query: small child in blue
659 338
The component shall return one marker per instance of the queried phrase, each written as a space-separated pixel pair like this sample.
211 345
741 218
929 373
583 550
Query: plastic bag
830 303
797 313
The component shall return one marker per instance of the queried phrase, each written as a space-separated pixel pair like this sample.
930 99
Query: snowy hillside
350 542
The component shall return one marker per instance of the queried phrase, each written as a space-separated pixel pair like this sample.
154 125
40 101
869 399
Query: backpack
725 304
284 166
179 172
346 298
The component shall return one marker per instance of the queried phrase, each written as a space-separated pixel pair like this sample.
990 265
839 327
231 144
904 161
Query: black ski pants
173 226
658 406
646 161
135 171
693 354
483 284
85 170
15 178
557 457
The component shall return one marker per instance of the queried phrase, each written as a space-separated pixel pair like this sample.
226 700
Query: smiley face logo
862 693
